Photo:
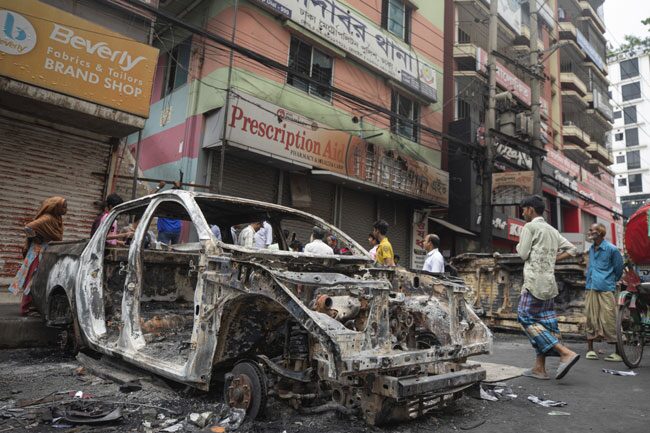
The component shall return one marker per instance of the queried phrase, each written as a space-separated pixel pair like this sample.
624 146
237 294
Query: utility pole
535 98
490 125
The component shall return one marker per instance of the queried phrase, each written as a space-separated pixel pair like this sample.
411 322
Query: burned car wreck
315 330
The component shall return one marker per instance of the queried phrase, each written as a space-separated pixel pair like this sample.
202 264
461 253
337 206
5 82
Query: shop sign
515 226
272 130
517 157
350 31
562 163
55 50
601 103
499 224
418 235
511 187
590 50
510 12
505 78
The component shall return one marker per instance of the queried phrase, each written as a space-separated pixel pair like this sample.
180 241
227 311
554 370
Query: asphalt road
596 402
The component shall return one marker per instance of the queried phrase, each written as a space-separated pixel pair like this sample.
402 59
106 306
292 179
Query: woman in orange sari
45 228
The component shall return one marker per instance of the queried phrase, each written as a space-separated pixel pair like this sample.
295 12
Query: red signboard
515 227
505 78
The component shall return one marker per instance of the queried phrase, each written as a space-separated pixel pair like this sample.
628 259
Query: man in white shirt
434 261
264 236
317 246
247 235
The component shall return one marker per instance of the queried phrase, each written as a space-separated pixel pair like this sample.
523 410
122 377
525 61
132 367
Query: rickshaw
633 316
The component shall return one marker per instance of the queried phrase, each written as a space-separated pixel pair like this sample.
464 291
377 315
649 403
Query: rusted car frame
387 344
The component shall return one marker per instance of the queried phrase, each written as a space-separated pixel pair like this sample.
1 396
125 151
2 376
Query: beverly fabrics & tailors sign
47 47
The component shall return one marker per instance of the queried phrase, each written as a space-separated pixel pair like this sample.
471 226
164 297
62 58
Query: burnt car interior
168 281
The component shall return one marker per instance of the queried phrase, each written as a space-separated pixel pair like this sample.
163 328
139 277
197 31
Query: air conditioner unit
523 124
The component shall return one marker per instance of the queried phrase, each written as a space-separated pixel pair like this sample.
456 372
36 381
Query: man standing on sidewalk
538 246
384 255
605 269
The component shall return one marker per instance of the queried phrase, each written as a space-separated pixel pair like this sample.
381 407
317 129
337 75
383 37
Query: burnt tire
246 388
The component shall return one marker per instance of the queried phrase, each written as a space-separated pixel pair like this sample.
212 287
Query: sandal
564 367
614 357
530 373
591 355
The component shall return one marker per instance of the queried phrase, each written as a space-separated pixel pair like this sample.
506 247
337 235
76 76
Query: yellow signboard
55 50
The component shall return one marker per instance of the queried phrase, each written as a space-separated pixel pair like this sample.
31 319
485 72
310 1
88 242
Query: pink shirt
112 231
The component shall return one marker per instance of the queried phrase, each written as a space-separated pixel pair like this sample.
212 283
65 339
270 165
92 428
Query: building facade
309 125
575 116
630 138
75 79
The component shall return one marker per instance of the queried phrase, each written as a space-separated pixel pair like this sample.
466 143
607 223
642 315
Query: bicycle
632 317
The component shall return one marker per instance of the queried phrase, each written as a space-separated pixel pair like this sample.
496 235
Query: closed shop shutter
245 178
322 199
397 214
37 162
358 215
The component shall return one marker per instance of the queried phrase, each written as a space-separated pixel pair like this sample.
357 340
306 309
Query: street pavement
596 402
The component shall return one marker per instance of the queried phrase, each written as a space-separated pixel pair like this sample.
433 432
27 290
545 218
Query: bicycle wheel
629 335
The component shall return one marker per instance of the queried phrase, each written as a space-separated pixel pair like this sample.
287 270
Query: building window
635 183
618 114
633 160
620 159
622 182
631 137
618 137
396 18
464 109
629 68
178 63
631 91
629 115
308 61
405 108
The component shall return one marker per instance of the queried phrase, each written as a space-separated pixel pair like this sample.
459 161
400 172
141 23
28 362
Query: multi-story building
348 128
575 112
630 138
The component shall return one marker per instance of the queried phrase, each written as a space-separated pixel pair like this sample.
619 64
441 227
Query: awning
452 227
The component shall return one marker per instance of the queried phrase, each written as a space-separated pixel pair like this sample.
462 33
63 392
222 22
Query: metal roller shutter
245 178
37 162
358 214
322 199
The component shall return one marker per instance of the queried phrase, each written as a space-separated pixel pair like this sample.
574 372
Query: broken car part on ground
320 332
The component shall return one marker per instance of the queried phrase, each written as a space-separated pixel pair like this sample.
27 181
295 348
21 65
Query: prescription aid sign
55 50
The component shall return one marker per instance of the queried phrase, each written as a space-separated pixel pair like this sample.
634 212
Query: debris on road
472 426
87 412
546 403
559 413
131 386
496 391
620 372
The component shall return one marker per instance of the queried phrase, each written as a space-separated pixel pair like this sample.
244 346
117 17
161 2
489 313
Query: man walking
605 269
434 261
538 246
384 255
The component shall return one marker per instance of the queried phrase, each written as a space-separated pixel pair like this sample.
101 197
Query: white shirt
373 252
246 237
317 246
264 236
434 262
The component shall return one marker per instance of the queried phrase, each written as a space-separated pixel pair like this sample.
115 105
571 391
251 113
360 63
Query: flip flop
591 355
530 373
614 357
564 367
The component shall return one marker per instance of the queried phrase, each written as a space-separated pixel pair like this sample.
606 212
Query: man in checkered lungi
540 245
